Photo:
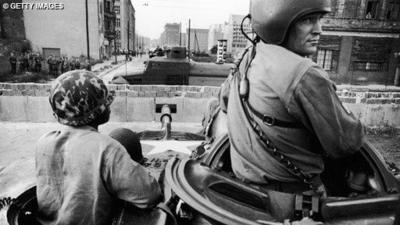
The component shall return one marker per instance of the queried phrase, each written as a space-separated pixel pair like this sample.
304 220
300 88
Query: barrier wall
29 103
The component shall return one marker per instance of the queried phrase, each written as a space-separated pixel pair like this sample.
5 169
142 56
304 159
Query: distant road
136 66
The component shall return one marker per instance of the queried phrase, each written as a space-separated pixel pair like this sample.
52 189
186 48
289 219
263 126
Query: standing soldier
20 62
72 64
64 64
25 61
38 63
31 62
77 64
13 63
57 66
51 63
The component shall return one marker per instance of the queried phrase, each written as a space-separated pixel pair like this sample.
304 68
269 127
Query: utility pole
189 41
180 34
127 53
89 67
129 30
115 48
141 45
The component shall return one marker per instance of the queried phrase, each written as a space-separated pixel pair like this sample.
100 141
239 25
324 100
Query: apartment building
232 33
198 39
171 35
215 33
125 25
360 41
63 32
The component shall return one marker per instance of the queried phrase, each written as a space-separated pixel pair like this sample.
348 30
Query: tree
214 49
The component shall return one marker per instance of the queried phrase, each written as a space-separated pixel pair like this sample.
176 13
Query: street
135 66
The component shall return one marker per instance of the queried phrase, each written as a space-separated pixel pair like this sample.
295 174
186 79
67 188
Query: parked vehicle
175 69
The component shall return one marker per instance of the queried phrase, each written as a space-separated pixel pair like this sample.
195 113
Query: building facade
198 39
232 33
63 32
142 43
117 40
125 25
360 41
11 22
109 29
171 35
216 33
12 35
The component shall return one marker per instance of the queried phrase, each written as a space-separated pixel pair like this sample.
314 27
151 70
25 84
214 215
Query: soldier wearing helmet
283 113
81 174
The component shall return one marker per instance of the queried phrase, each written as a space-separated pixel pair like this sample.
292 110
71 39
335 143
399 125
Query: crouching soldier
81 174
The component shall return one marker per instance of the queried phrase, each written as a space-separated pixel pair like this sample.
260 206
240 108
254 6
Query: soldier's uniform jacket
81 174
290 88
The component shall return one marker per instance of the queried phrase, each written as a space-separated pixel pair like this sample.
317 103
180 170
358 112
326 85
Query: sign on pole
221 50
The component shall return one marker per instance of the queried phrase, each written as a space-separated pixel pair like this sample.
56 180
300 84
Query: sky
152 15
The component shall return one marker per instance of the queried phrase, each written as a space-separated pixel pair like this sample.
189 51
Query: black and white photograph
199 112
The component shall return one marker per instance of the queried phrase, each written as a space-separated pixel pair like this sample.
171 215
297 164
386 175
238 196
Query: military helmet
271 19
79 97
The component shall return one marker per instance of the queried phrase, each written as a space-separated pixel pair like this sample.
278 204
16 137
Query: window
393 11
324 59
369 66
372 9
118 22
117 9
107 6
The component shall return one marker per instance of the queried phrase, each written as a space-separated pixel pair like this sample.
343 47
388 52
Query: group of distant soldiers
60 65
32 62
27 61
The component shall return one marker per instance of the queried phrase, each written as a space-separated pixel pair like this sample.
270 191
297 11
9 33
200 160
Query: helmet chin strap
256 39
244 82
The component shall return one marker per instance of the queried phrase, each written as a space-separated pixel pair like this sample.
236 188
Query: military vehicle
200 187
176 69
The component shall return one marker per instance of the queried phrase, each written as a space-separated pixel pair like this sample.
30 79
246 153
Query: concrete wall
29 103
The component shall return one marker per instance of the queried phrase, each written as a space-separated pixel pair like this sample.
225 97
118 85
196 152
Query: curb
114 67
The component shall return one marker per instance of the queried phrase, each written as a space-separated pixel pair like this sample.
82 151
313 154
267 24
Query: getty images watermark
34 6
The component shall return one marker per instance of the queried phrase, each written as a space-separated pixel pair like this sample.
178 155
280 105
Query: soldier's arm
128 180
316 104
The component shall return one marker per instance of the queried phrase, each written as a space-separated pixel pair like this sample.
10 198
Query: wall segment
137 103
